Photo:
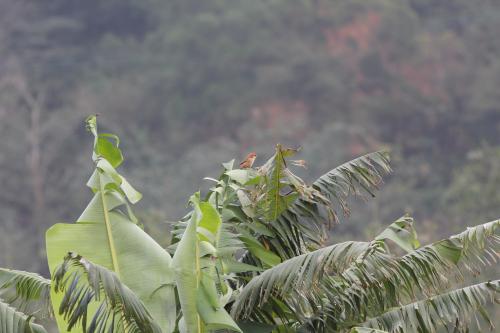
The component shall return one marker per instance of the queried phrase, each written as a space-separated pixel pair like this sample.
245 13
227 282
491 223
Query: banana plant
250 256
110 275
108 234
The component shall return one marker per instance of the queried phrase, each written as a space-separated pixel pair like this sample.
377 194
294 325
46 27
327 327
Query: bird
248 161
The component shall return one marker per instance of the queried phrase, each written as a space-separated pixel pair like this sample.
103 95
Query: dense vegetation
193 84
249 257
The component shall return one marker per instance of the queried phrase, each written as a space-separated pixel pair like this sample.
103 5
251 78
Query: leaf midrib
107 222
276 185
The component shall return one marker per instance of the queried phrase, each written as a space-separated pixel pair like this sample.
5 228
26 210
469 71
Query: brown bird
248 161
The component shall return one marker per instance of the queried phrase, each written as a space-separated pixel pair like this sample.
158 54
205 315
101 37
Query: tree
420 76
33 109
251 256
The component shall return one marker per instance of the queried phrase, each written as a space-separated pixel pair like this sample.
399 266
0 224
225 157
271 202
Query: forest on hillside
191 84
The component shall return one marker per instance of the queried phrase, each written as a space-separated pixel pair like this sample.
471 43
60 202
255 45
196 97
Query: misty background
189 84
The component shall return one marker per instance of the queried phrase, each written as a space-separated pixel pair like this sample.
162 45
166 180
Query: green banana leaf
12 321
213 315
106 234
186 270
196 285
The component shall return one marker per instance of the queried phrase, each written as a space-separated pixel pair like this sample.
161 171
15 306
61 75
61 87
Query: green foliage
245 259
297 274
365 330
186 275
119 310
341 77
107 234
28 292
190 84
274 202
454 307
17 322
401 232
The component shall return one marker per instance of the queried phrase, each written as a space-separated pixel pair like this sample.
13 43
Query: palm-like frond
12 321
119 308
365 330
368 281
28 292
302 224
475 247
301 272
284 225
455 307
429 265
363 174
277 177
301 281
381 281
